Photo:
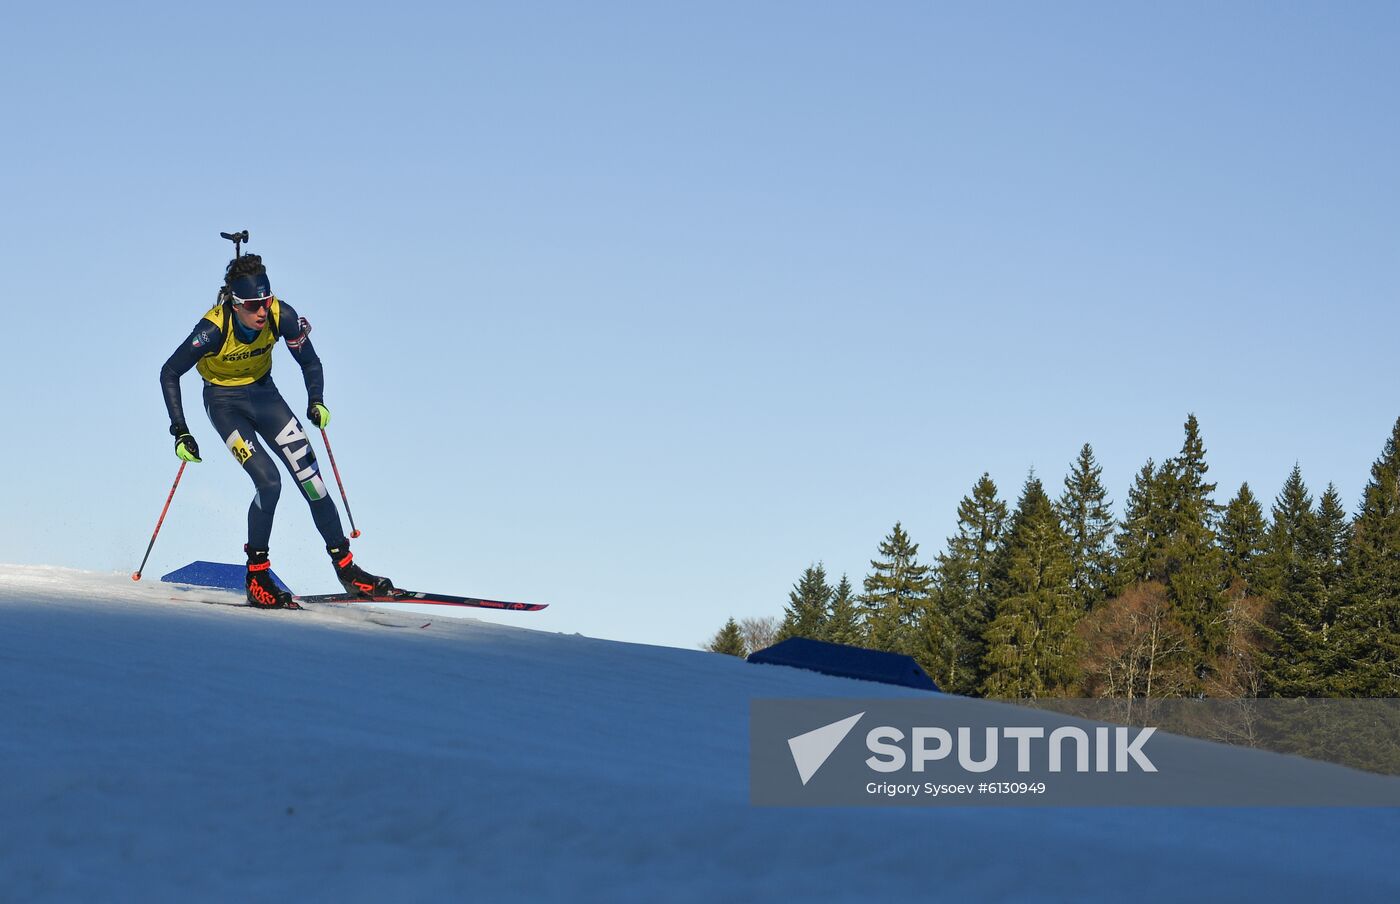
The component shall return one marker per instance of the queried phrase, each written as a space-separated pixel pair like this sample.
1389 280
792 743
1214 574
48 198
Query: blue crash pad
216 574
846 662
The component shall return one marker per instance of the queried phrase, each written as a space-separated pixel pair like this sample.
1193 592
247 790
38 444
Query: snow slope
156 750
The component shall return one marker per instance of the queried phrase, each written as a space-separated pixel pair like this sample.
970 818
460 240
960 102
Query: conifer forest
1050 594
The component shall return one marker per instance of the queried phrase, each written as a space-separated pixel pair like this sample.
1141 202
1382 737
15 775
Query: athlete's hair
247 265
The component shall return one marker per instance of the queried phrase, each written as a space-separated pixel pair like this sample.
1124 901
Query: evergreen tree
896 593
1368 636
1332 542
952 647
1237 668
843 624
728 640
806 611
1297 664
1168 535
1032 647
1195 564
1190 465
1086 515
1291 521
1243 536
1145 530
1325 548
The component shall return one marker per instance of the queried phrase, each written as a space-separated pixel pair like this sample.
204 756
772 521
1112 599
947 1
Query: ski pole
354 531
136 576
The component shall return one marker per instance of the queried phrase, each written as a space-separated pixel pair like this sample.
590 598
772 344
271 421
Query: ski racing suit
244 404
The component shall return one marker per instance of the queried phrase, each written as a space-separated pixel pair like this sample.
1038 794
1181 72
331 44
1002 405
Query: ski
230 601
235 601
421 599
243 604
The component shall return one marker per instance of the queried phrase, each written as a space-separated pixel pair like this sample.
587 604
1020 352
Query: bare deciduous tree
759 632
1136 647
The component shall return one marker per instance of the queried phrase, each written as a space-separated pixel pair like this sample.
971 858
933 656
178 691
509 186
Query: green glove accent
319 414
186 448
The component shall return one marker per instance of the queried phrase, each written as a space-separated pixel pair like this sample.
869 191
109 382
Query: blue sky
639 309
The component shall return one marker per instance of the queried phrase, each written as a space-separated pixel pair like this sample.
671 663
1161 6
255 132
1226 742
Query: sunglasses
253 305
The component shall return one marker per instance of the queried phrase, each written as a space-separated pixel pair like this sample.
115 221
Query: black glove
185 446
318 414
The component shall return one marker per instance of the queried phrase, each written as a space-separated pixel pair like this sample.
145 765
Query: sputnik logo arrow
811 750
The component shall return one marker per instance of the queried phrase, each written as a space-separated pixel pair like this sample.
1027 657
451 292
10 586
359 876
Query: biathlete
231 347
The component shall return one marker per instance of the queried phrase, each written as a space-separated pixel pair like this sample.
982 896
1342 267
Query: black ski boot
354 578
263 593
